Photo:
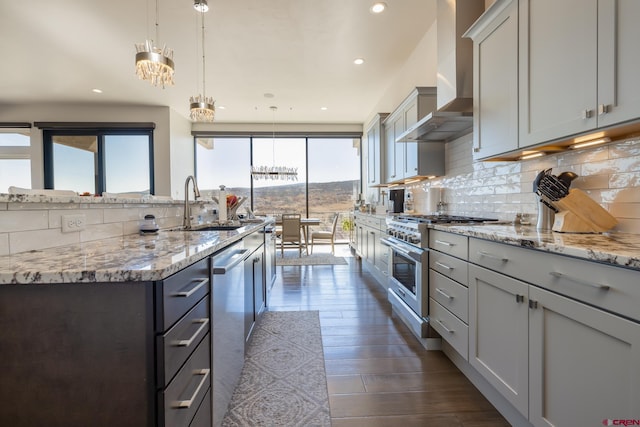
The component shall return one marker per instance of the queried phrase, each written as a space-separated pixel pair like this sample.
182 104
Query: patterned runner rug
283 382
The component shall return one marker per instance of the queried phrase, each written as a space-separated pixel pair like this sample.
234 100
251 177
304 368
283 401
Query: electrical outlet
73 222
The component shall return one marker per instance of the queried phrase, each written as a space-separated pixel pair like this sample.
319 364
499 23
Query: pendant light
202 107
152 63
282 173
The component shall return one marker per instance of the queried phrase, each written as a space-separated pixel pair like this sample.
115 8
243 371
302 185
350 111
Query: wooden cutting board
587 210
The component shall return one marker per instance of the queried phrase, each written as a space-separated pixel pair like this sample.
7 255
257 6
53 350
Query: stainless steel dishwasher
227 340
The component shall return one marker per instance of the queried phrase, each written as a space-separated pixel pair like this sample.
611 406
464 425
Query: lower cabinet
375 255
498 333
584 363
558 360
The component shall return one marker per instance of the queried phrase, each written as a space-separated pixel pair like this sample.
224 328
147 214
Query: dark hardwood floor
377 372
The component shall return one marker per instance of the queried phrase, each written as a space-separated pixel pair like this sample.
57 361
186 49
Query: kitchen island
117 331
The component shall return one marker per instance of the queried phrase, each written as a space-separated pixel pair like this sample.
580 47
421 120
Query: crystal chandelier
281 173
202 107
154 64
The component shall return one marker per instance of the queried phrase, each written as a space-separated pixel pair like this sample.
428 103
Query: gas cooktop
441 219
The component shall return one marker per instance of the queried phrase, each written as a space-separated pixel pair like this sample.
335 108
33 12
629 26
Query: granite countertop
619 249
129 258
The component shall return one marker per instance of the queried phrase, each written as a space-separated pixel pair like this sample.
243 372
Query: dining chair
325 236
291 232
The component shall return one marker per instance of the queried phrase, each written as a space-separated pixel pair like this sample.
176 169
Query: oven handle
411 254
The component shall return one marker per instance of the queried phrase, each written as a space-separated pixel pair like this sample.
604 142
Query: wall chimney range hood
454 116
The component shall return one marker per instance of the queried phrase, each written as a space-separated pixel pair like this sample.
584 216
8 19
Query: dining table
305 223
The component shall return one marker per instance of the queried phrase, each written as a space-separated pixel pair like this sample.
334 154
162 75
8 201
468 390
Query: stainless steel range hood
454 116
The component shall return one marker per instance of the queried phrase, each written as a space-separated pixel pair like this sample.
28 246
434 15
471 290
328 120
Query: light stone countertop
129 258
618 249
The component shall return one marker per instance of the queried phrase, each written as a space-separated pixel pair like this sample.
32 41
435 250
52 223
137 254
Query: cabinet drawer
180 292
450 294
449 266
179 342
452 329
452 244
582 280
182 397
203 416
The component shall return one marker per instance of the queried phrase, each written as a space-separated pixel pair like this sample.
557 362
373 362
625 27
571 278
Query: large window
15 162
95 161
328 174
224 161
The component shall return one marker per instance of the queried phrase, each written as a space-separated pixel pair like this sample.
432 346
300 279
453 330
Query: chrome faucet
186 218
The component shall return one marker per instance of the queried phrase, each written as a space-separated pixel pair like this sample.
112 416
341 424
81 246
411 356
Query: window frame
100 133
278 135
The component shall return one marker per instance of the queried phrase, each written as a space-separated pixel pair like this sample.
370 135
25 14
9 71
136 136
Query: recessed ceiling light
222 107
378 7
324 108
358 61
268 95
96 90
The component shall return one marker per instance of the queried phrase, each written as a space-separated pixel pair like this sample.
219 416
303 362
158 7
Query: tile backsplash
609 174
29 225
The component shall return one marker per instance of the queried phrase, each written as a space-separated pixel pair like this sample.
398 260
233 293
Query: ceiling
299 51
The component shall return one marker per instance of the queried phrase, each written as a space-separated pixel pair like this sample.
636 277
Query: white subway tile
23 220
101 231
4 244
122 214
4 206
621 180
40 239
625 210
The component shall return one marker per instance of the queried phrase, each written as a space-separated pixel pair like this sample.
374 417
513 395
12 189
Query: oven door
408 275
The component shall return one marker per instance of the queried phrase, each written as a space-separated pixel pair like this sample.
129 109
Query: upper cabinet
618 61
578 62
495 67
564 68
375 152
411 160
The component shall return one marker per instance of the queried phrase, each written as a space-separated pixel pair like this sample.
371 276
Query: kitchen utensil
551 187
566 177
587 209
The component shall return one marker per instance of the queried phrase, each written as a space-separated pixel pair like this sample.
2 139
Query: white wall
100 113
181 152
419 70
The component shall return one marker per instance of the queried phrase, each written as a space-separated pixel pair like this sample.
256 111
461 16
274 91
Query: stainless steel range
408 287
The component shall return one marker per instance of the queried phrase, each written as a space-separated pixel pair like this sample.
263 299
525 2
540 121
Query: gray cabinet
448 292
375 256
495 87
375 151
577 62
409 160
541 326
550 71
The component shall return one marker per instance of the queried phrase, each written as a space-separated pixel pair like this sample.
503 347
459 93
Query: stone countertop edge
131 258
616 249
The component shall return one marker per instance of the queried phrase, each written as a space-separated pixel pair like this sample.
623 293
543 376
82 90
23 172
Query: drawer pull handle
442 242
187 294
446 267
444 294
401 292
186 404
581 282
441 323
187 343
492 256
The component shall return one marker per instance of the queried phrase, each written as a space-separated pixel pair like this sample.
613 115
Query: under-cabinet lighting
531 156
590 143
411 181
